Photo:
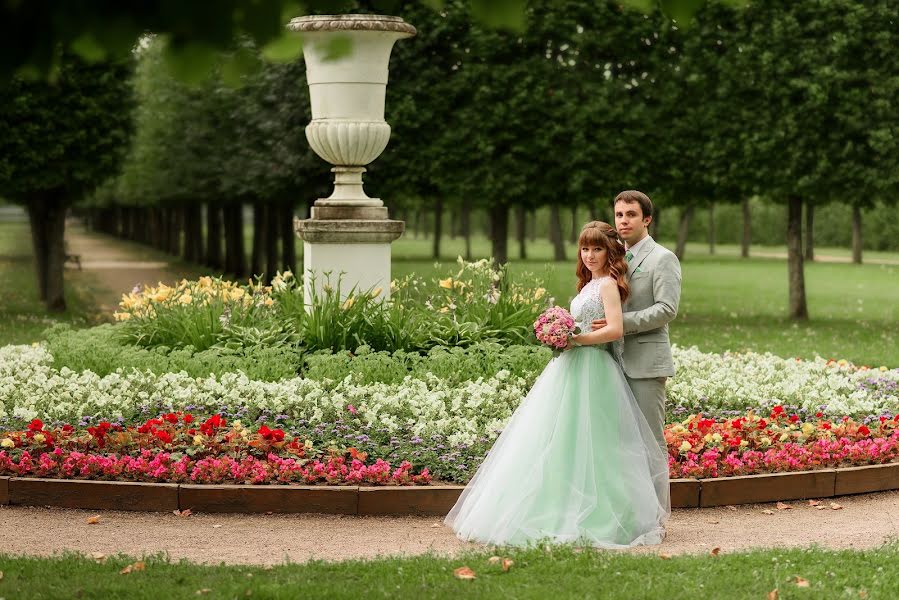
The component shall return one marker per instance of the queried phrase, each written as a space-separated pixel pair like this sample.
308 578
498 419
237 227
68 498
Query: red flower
188 418
793 418
164 436
819 414
68 428
777 411
825 425
763 423
171 418
265 432
209 426
883 419
277 435
863 430
36 425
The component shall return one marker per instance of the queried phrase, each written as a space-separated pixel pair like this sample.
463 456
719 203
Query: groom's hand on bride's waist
598 324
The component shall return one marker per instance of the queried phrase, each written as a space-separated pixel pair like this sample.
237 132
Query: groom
654 276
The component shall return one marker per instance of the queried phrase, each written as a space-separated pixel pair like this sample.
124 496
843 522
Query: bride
577 461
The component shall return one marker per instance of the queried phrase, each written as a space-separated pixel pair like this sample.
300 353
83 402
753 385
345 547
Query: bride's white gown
577 461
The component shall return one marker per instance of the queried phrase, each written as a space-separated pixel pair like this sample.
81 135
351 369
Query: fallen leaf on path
800 582
862 594
767 511
507 564
493 560
182 513
715 551
820 508
714 522
464 573
773 594
138 566
436 525
98 556
813 503
664 556
733 508
216 526
782 506
93 520
835 506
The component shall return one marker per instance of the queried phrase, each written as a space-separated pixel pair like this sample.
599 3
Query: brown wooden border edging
435 500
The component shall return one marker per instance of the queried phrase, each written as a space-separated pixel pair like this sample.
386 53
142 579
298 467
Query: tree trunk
499 233
746 239
214 235
555 233
532 230
712 232
288 238
795 268
175 226
257 258
47 218
193 233
520 231
575 226
235 257
418 222
465 227
272 233
856 234
438 226
809 231
683 229
454 222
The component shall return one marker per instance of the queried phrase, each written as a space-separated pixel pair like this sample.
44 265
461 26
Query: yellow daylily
446 283
348 303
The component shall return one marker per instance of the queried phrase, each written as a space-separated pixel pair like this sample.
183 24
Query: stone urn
346 68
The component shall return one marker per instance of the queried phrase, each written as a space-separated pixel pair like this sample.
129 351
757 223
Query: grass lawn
561 573
22 315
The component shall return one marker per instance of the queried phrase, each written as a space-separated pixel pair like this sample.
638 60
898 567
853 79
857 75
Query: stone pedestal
357 248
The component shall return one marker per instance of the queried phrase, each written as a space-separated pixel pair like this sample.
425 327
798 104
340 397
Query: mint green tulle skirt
577 463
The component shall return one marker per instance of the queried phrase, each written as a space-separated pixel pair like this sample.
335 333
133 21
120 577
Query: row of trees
789 102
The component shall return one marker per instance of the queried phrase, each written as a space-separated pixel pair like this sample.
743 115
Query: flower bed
779 442
173 449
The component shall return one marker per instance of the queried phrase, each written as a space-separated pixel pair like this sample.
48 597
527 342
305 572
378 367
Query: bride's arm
614 327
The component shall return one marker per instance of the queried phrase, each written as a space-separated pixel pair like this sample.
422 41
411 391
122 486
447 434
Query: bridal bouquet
554 327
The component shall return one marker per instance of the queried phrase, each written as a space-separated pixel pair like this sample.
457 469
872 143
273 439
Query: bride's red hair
597 233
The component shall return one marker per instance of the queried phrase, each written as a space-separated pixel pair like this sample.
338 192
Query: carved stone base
354 251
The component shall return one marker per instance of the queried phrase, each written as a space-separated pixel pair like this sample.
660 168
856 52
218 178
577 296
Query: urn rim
355 22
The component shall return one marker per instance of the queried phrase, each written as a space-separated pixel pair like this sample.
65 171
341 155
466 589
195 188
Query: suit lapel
645 248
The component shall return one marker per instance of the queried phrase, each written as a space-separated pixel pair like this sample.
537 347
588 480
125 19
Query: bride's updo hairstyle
597 233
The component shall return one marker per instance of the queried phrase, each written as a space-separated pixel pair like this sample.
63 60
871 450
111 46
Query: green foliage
454 364
102 350
69 134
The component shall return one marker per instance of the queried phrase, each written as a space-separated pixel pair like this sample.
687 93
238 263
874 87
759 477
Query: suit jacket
654 276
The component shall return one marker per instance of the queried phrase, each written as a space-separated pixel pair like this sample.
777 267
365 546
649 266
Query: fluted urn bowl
347 87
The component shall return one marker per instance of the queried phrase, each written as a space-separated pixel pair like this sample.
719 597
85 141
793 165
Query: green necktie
629 256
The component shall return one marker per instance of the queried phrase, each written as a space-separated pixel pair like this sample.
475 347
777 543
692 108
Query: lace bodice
587 305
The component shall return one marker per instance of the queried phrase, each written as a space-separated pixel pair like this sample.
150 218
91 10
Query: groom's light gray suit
655 282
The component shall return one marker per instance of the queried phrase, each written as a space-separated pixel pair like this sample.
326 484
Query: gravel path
863 522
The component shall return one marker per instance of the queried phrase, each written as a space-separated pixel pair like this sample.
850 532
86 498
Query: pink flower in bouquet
554 327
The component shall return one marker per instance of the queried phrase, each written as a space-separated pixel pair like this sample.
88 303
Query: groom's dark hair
631 196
